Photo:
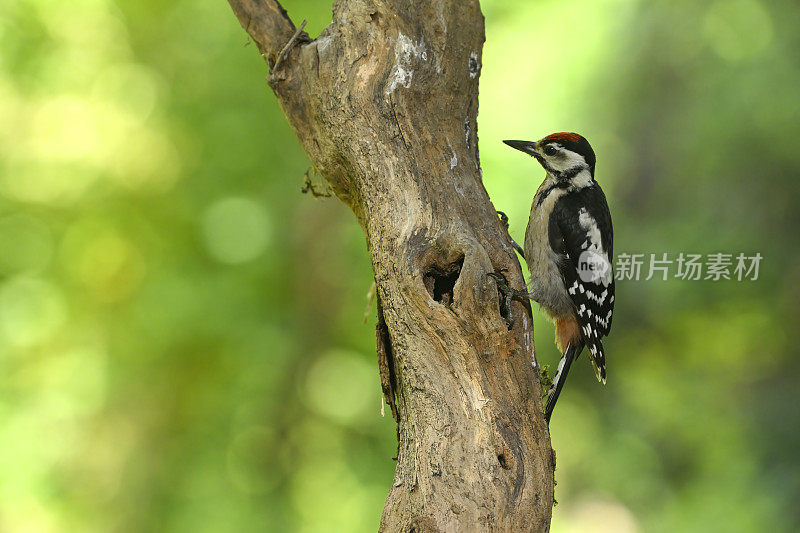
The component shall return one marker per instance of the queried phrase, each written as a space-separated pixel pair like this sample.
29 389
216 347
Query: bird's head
563 155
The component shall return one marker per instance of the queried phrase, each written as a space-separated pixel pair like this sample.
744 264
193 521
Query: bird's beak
524 146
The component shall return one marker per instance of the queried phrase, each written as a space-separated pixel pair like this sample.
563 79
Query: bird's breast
546 283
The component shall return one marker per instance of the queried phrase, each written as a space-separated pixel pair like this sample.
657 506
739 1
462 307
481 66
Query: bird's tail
570 354
598 356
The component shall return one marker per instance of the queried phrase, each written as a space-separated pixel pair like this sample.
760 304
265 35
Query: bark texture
385 103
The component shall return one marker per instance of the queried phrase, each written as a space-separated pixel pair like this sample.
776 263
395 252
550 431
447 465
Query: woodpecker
568 248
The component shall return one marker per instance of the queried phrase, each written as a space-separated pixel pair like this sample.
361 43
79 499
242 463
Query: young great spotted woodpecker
568 248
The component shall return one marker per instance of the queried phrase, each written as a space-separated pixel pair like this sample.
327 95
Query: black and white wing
580 231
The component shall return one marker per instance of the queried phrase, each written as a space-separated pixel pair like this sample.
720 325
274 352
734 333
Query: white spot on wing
595 240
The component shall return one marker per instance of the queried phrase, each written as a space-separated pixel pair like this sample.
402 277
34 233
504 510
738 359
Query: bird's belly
546 283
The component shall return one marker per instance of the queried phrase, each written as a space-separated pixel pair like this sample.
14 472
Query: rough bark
385 103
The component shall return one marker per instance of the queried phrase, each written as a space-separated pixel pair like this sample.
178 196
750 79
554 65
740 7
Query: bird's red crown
563 136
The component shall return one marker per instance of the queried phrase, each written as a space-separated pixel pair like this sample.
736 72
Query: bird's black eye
550 150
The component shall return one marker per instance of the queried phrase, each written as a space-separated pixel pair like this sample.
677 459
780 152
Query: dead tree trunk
385 103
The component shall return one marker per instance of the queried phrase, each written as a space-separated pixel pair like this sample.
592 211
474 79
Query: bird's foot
507 295
503 219
504 222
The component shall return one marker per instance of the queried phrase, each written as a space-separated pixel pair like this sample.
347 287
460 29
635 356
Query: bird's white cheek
573 160
557 164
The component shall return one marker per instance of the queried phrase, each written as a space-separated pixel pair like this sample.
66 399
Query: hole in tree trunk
502 460
441 281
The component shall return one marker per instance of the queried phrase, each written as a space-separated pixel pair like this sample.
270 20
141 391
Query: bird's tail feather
570 354
598 356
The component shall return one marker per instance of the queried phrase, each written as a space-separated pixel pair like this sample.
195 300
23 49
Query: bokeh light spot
246 460
133 86
341 385
738 29
236 230
31 241
103 260
597 515
76 379
31 310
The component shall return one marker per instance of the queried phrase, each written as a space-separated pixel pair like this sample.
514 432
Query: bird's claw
504 222
507 295
503 219
499 278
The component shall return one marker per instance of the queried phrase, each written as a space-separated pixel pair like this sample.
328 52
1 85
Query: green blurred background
183 344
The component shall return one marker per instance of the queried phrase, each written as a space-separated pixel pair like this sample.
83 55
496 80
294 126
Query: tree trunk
385 103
